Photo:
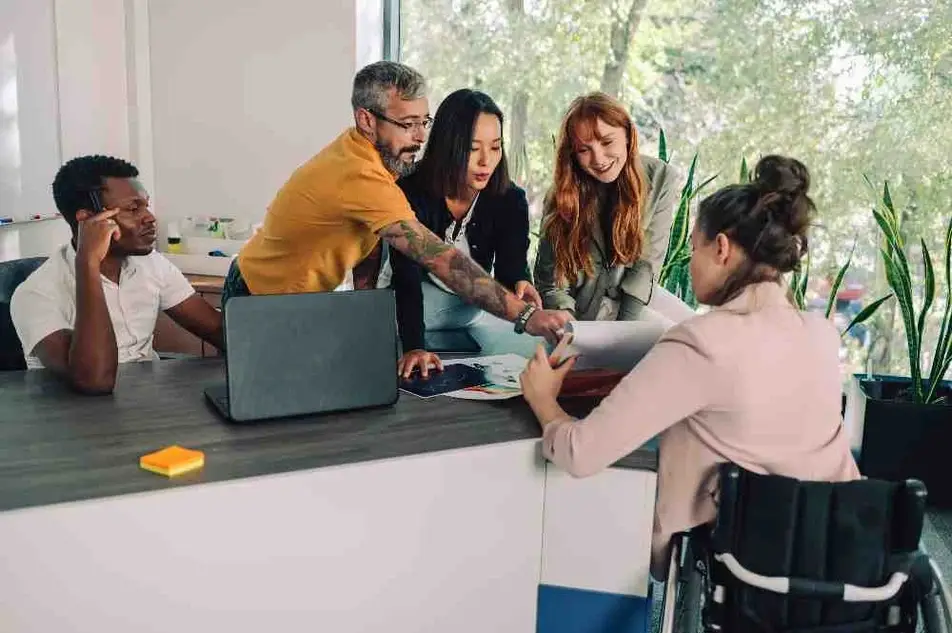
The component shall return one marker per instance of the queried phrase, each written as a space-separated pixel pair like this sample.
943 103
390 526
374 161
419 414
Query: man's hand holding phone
95 235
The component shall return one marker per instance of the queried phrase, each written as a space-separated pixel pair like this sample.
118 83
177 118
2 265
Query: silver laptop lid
310 353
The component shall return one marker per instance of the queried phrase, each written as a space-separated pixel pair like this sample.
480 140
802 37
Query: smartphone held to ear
95 201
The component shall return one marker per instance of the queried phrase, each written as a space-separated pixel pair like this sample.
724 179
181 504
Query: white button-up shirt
46 302
456 236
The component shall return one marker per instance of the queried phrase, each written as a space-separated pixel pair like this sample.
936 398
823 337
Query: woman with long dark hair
461 191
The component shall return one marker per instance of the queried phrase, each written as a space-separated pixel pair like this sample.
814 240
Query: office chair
12 274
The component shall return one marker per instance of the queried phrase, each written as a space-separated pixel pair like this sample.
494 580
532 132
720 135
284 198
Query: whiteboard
29 116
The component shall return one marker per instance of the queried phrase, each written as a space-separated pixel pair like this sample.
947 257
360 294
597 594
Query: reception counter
430 515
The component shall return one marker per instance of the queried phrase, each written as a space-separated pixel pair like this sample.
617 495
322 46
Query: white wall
242 96
215 101
91 71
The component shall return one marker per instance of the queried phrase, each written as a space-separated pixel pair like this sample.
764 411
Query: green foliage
675 275
843 85
900 279
798 284
798 287
837 282
866 313
745 175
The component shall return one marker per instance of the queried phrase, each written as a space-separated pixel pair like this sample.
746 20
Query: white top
46 302
460 241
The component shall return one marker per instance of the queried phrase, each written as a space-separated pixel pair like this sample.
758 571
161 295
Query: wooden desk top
58 446
206 283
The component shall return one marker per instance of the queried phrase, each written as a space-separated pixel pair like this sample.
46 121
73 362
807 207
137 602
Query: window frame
391 30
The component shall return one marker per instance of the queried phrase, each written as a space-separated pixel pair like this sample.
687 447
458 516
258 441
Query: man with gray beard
329 218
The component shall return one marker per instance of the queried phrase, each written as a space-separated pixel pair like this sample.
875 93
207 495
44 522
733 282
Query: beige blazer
631 285
755 382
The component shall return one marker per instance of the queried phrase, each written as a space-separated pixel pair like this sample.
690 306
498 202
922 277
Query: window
10 161
853 88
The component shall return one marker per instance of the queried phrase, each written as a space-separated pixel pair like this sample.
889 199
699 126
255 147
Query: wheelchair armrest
813 588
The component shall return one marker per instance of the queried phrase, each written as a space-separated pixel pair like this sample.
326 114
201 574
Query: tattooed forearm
467 279
460 273
416 241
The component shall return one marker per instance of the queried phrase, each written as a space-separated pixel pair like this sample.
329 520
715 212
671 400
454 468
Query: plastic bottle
174 238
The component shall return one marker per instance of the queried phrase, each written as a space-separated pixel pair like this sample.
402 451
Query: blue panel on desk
566 610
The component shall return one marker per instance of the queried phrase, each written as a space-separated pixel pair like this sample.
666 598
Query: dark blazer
498 235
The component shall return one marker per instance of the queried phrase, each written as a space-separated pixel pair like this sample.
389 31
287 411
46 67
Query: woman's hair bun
783 175
768 218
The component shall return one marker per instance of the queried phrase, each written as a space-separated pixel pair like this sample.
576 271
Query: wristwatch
523 318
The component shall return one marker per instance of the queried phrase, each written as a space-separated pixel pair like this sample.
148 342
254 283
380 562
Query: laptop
301 354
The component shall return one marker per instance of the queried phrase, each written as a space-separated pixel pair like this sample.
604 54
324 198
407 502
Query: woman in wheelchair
753 381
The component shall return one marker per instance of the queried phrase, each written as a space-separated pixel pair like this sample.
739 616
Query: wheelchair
790 556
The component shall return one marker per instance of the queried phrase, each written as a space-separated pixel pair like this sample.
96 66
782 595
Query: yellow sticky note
172 461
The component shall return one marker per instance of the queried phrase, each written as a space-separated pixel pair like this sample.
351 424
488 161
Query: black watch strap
523 318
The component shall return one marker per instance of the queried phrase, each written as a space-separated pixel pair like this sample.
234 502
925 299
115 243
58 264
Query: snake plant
798 289
899 277
675 271
675 275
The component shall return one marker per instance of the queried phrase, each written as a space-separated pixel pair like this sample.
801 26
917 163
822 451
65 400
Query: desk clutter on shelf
206 245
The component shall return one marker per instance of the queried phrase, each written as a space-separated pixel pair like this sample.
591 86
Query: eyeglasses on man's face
405 125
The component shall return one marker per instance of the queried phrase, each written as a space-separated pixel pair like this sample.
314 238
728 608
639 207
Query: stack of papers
481 378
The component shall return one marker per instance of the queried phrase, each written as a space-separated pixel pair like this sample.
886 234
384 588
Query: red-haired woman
607 216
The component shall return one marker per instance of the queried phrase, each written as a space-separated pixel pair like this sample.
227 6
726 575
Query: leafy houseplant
675 272
798 289
675 275
907 421
924 389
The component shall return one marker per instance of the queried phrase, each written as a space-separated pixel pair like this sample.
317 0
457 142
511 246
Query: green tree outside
850 87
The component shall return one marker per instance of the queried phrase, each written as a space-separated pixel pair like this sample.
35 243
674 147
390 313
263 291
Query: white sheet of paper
615 345
620 345
669 306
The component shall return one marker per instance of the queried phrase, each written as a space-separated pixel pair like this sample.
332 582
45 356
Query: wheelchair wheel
935 606
690 590
689 605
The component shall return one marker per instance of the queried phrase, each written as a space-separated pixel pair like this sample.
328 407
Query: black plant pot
903 440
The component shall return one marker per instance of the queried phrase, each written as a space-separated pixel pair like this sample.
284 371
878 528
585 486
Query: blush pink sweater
755 382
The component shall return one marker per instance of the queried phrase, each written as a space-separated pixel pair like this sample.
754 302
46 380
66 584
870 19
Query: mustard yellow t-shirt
324 220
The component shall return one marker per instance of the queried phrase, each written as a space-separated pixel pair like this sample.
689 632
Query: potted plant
905 423
675 274
798 291
675 271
